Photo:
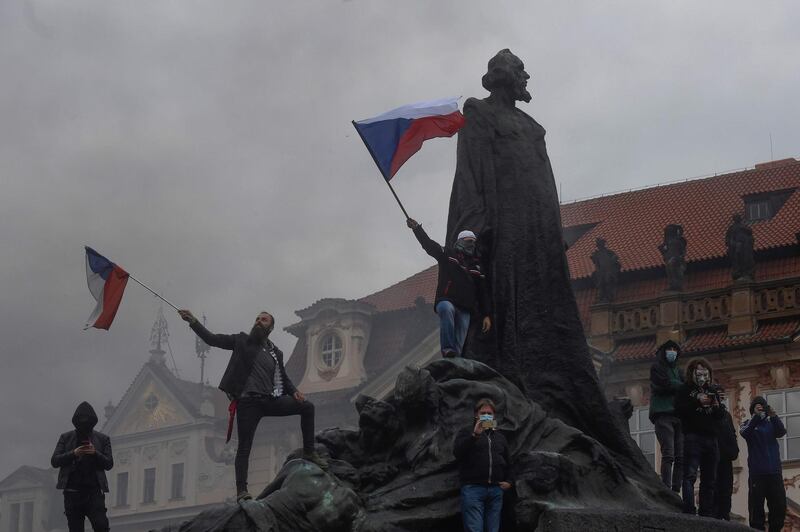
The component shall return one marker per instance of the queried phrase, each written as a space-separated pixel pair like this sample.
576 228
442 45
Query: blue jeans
481 507
453 326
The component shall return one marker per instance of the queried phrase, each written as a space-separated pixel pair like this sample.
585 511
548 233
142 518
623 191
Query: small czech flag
106 283
394 136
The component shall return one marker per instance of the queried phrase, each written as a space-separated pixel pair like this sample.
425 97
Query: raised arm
431 247
222 341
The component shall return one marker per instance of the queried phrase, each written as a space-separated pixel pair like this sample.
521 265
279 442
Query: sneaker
243 495
315 458
449 354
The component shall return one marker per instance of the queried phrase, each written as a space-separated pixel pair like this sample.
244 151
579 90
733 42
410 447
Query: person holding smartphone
83 456
484 469
765 480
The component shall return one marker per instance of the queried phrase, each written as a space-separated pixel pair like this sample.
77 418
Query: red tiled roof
712 339
403 294
632 223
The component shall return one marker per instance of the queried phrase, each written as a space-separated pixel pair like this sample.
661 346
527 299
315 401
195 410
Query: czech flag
394 136
106 283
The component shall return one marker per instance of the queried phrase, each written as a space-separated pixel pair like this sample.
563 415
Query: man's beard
522 93
258 334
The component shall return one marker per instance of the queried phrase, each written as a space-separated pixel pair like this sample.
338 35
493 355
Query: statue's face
518 79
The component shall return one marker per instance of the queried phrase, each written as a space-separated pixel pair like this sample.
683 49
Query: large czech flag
394 136
106 283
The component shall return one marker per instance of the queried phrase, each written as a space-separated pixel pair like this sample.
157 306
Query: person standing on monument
83 456
765 472
699 407
461 288
484 469
256 380
666 378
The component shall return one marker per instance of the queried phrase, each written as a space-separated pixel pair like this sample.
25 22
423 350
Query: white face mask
485 417
701 376
672 356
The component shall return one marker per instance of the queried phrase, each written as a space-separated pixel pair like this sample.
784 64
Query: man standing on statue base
461 290
256 380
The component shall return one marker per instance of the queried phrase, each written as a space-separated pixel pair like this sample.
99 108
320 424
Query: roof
632 223
713 339
405 293
37 475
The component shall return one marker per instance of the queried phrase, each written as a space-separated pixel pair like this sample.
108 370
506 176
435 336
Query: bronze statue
606 271
673 250
739 240
504 190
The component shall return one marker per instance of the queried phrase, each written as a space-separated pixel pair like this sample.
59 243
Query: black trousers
670 438
78 505
769 487
724 490
700 453
249 412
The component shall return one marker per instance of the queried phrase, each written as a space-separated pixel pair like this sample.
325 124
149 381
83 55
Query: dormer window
765 205
331 351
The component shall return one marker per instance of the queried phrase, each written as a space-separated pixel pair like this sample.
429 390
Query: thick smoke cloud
206 146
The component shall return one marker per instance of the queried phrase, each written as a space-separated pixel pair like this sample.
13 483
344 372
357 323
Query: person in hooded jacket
728 452
699 407
765 472
666 378
484 469
83 456
461 290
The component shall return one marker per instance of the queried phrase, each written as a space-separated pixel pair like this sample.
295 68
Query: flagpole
400 203
159 296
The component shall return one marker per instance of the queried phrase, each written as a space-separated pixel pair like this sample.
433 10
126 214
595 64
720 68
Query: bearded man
256 381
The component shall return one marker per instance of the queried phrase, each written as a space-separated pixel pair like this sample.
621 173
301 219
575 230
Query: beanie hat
757 400
466 234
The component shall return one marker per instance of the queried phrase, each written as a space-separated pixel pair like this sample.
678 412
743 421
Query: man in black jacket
461 289
83 456
256 381
484 469
699 407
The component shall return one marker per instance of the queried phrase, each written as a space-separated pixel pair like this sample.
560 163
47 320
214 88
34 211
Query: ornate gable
149 404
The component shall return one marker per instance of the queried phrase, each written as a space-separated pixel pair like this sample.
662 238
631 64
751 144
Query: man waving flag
106 283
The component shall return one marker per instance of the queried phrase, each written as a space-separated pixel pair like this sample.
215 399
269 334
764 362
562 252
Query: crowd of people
697 437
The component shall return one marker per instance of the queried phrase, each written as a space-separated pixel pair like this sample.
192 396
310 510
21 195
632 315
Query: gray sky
206 147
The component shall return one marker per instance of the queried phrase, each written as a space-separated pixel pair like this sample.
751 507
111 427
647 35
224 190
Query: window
643 433
27 517
765 205
149 494
331 350
758 210
13 518
177 482
122 489
787 405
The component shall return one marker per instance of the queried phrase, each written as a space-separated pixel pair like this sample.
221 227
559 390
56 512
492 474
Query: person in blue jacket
761 432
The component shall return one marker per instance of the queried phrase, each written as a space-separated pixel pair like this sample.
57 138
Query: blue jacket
763 452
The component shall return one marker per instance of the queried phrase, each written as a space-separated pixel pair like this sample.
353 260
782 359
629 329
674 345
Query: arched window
331 350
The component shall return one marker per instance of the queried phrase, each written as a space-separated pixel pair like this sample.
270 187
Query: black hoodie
88 471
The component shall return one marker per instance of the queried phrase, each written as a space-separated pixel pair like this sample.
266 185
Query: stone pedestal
600 336
562 520
669 323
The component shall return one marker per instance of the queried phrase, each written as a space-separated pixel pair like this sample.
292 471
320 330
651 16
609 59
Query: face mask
486 417
672 356
467 247
701 377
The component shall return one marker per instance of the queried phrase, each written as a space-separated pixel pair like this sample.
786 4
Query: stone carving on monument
739 241
673 250
573 458
606 272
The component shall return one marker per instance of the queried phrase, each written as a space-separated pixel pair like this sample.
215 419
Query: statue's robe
504 191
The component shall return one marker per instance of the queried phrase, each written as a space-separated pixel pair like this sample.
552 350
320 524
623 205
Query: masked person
484 469
666 379
761 432
699 409
461 289
256 380
83 456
